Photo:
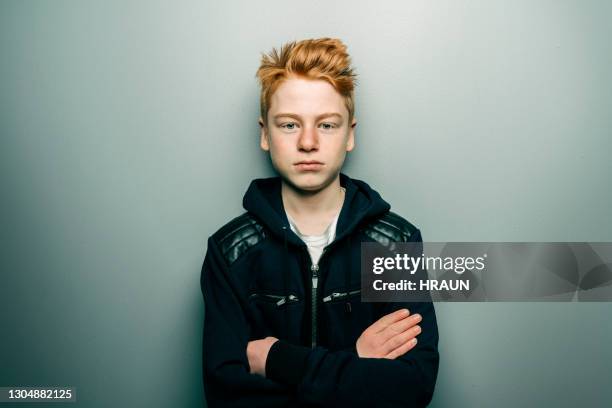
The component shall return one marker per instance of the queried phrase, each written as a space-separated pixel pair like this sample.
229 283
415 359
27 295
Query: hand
257 353
390 336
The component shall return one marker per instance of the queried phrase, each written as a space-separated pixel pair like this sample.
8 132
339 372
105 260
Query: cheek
281 150
336 146
280 145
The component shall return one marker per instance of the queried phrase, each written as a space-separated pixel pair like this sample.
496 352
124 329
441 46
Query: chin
309 182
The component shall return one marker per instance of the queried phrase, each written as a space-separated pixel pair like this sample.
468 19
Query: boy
284 325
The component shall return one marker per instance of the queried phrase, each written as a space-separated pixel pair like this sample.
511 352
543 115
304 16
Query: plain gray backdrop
129 135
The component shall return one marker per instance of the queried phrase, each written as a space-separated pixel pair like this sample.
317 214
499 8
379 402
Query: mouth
308 165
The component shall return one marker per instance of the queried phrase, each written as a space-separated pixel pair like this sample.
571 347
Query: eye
289 126
328 125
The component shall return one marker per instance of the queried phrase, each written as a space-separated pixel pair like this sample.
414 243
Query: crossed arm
389 337
386 369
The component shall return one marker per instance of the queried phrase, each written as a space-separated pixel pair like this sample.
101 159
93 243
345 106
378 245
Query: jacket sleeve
227 380
342 378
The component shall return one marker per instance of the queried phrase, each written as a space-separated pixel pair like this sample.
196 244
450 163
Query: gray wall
129 134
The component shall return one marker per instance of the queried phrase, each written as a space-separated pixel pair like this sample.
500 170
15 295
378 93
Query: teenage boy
284 325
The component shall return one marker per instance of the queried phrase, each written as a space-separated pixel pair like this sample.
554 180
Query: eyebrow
321 116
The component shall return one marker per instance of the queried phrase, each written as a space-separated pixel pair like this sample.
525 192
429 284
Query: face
307 133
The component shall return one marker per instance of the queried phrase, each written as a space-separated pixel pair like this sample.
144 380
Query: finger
400 326
388 319
400 339
406 347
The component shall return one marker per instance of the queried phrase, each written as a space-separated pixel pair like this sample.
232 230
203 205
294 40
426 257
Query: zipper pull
286 299
333 296
314 268
340 295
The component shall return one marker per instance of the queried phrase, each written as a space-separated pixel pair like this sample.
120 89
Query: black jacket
257 281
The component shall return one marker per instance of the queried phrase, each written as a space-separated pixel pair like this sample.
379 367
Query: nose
309 139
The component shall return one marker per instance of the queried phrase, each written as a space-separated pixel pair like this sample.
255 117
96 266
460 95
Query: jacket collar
263 199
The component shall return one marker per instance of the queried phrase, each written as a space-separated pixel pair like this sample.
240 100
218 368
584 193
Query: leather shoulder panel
390 228
238 235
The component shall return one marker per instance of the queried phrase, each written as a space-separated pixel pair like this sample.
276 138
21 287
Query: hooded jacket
258 280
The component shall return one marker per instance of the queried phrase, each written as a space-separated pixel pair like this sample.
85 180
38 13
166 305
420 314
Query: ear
350 142
263 138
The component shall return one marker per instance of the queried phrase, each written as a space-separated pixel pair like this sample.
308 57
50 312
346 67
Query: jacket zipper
314 268
340 295
278 299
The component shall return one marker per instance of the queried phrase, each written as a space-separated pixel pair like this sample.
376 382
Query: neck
311 206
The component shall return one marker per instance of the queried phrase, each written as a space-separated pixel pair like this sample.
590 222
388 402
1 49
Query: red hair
322 58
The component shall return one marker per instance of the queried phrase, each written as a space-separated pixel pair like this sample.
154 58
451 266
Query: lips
309 165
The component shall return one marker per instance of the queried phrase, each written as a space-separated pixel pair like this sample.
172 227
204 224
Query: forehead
307 97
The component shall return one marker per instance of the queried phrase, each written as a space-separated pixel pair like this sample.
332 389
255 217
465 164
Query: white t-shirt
316 243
